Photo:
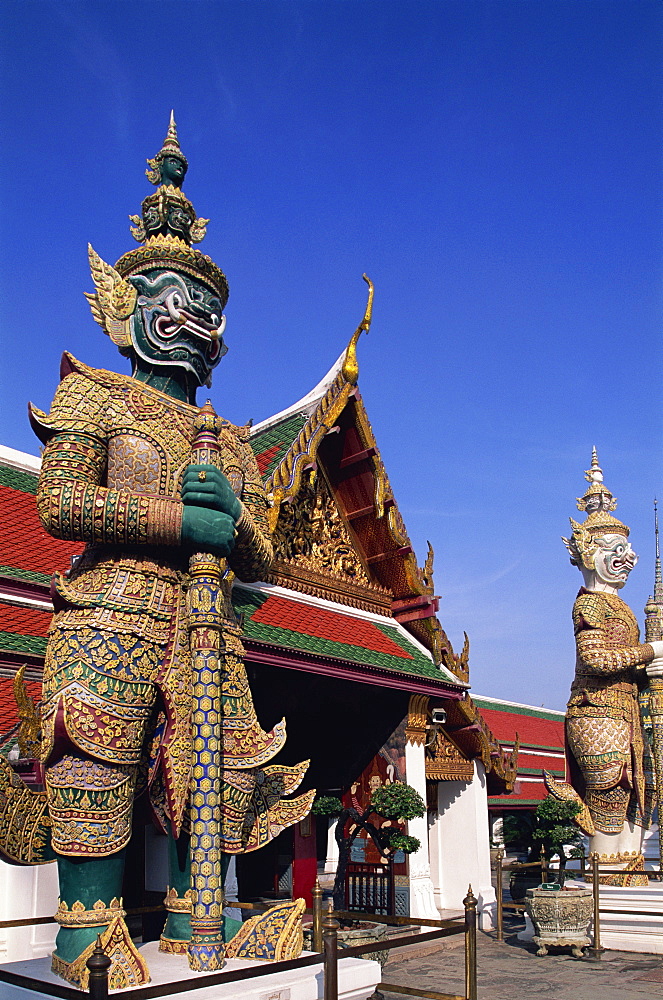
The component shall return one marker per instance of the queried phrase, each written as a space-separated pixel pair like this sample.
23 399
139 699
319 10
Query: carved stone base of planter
561 918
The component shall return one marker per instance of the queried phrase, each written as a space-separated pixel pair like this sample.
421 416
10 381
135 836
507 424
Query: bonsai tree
550 827
396 803
554 829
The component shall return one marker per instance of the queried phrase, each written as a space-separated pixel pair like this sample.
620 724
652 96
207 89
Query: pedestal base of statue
631 919
357 979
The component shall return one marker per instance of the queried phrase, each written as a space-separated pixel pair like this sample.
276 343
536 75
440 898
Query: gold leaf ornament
113 301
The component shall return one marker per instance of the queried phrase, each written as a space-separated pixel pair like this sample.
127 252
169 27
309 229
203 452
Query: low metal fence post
500 908
316 934
98 965
470 904
330 949
596 950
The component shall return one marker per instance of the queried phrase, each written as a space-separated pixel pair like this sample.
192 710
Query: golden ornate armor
117 668
604 730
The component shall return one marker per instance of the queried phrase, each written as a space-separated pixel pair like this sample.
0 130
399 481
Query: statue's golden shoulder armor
95 401
589 610
600 610
80 404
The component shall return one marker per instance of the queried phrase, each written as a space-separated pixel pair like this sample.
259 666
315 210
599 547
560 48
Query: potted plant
550 829
555 830
560 916
395 803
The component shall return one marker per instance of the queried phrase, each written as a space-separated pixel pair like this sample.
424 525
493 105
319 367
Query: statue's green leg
86 881
178 922
230 925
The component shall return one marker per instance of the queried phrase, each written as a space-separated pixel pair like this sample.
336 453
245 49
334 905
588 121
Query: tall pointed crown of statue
597 502
169 225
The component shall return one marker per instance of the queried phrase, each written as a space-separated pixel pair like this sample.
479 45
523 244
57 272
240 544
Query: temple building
342 639
538 736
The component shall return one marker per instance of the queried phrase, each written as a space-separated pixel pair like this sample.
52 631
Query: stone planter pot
354 937
560 918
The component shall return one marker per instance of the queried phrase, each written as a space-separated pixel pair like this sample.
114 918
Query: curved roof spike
345 366
350 367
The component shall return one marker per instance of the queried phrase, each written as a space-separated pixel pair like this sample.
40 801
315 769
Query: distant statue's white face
614 559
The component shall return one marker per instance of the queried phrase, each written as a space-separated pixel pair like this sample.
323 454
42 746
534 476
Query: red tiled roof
265 457
24 621
313 620
8 709
533 729
24 544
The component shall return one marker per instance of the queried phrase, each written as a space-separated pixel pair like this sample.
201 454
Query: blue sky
494 167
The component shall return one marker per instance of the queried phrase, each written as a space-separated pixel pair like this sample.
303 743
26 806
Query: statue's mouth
180 320
621 566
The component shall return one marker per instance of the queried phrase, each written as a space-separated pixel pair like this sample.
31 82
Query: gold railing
325 948
596 950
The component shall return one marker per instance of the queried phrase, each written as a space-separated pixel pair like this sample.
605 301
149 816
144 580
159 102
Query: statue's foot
633 872
127 969
176 934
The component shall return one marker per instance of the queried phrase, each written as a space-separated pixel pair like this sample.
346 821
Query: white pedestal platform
640 927
357 979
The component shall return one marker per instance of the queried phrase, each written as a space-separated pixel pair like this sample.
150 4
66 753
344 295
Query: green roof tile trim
12 642
541 713
246 602
509 743
496 801
280 436
16 479
537 770
27 575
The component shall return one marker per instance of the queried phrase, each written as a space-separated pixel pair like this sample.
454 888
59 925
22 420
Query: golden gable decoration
447 762
311 534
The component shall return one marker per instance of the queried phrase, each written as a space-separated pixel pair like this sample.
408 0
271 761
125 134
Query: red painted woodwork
304 860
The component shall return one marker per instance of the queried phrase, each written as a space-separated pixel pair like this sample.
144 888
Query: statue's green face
172 170
178 323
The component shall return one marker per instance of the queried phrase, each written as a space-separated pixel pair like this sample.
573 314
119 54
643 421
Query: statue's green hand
208 530
206 486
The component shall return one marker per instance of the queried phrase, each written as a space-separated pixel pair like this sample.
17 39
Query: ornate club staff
655 689
205 610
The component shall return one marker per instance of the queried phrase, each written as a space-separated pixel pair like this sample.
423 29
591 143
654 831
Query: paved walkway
511 971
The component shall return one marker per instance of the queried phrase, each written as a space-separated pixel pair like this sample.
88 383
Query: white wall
422 898
331 862
27 892
460 846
